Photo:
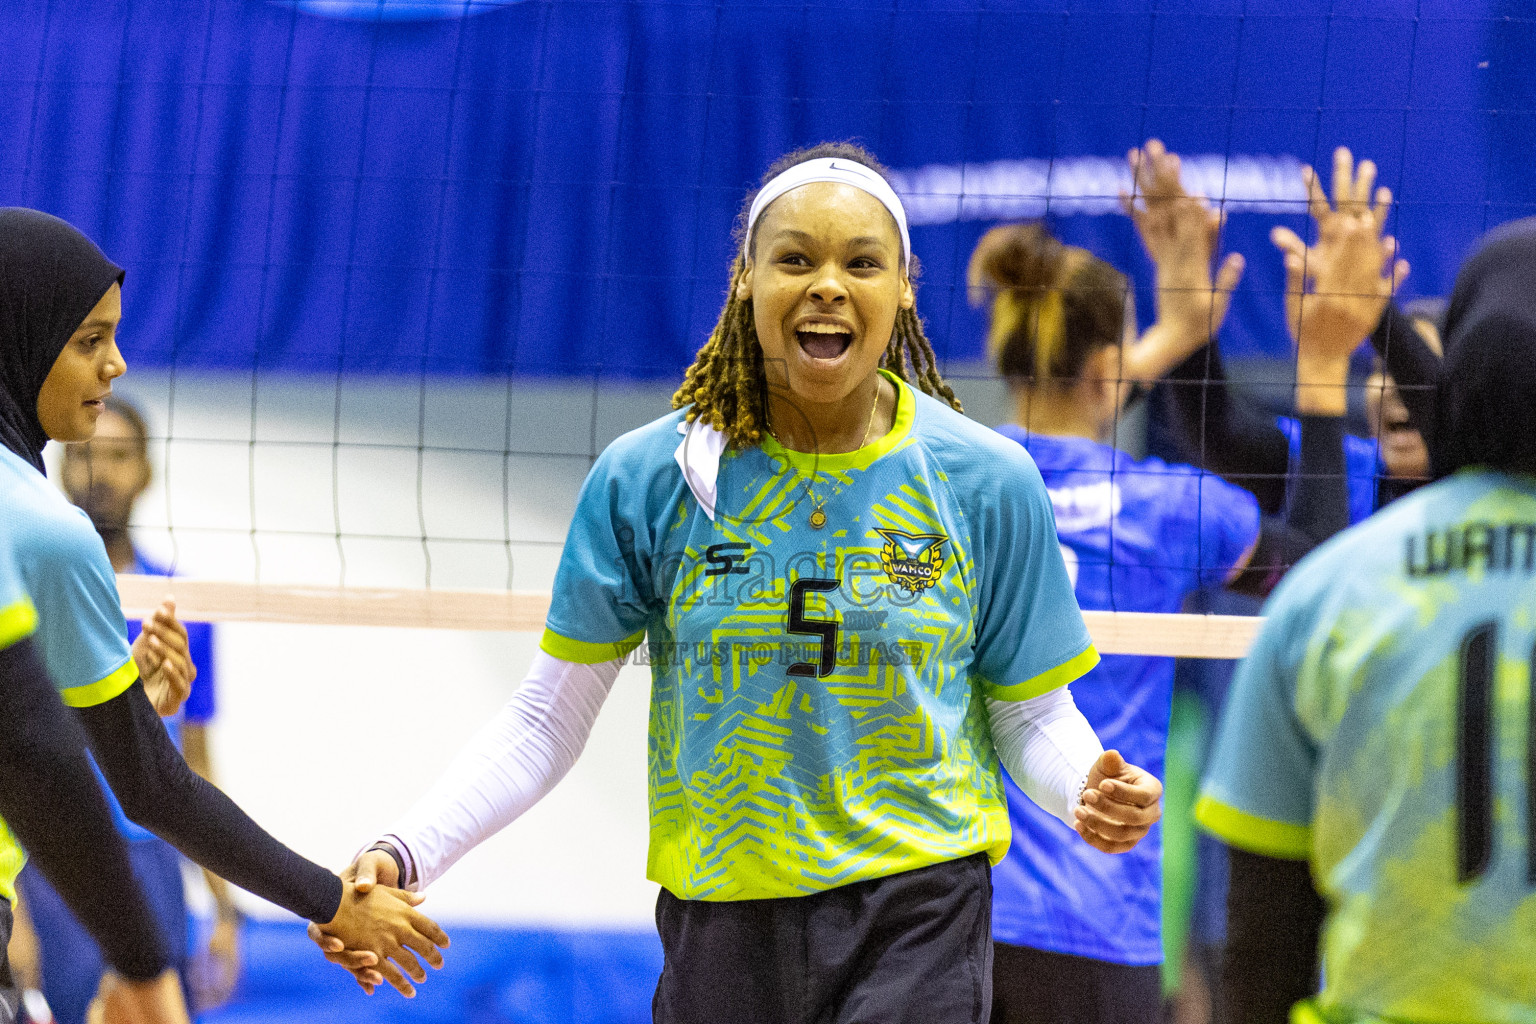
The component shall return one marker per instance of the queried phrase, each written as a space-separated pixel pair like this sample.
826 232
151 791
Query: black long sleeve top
158 791
51 799
1274 922
1219 431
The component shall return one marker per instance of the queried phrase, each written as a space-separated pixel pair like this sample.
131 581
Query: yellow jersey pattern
1383 728
816 716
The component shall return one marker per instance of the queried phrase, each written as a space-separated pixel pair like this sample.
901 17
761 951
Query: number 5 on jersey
800 625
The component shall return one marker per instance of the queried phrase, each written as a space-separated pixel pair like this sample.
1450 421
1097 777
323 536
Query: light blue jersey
81 635
816 708
1383 729
18 616
1139 535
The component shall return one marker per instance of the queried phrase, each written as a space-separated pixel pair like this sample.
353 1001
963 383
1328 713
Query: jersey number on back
1474 757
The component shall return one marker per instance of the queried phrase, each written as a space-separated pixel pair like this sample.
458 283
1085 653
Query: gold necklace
818 503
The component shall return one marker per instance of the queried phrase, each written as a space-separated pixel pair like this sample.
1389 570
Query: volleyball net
1150 633
398 272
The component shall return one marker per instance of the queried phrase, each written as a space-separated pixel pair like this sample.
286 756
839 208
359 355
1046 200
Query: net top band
846 172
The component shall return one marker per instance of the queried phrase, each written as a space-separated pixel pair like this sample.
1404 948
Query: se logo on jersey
912 560
729 559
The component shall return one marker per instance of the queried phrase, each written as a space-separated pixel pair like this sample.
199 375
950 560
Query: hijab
1487 388
51 276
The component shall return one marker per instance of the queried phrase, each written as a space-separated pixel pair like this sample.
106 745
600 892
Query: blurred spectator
105 477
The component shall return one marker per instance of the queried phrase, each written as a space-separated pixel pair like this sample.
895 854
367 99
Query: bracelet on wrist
394 855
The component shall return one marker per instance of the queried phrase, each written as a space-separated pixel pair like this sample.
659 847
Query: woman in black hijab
51 278
59 307
1486 399
1484 435
48 793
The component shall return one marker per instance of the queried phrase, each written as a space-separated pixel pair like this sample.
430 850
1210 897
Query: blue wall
548 186
490 976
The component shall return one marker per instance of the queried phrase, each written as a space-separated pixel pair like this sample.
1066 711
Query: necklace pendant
818 518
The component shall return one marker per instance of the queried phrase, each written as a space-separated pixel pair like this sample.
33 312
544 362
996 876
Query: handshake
377 935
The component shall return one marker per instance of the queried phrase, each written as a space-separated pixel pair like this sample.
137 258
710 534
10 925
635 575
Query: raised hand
1180 231
1337 289
164 660
1120 804
119 1001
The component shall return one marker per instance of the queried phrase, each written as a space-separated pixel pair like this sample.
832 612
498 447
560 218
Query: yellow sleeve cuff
583 653
1049 680
1252 833
103 690
17 622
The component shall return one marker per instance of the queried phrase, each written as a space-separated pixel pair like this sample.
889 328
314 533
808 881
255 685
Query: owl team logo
912 561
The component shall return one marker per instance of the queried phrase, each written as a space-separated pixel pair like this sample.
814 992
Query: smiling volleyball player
60 306
855 605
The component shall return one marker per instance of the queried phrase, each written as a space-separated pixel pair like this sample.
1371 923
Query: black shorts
1031 986
914 948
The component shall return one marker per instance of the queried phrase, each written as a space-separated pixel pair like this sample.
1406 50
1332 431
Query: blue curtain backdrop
549 186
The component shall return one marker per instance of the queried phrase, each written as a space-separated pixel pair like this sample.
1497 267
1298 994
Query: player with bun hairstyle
1144 534
855 608
1078 931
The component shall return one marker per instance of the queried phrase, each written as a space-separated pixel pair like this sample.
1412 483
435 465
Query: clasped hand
1119 805
164 660
381 948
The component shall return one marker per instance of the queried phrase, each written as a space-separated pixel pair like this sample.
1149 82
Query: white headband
848 172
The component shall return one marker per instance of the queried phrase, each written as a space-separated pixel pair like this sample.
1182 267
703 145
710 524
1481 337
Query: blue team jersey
1382 729
202 702
81 634
1141 534
1363 468
18 621
817 713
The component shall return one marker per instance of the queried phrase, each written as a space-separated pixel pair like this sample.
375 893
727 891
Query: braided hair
727 385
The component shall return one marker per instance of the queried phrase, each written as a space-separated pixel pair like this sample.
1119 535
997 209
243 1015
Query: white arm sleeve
1047 746
506 768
